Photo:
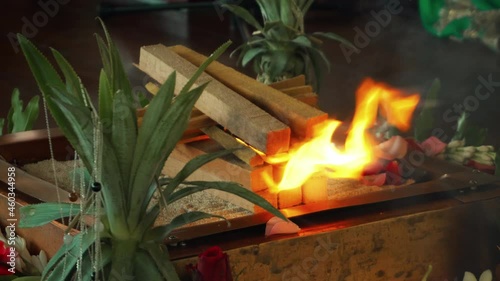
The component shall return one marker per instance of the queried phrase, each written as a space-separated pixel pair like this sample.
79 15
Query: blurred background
401 53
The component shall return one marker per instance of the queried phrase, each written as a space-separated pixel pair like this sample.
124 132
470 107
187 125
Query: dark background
402 53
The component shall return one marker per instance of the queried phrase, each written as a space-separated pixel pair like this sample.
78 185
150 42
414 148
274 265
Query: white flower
485 276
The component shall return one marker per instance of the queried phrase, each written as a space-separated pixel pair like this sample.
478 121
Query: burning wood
297 176
220 103
299 116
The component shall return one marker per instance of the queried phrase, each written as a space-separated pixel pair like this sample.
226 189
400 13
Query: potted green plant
19 120
280 48
124 162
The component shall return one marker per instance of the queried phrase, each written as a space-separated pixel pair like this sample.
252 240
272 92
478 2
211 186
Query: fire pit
271 129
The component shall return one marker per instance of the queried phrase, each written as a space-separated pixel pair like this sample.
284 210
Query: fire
320 154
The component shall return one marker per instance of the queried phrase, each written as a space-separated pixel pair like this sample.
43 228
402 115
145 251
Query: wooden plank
225 169
286 198
293 91
299 116
288 83
244 153
315 189
220 103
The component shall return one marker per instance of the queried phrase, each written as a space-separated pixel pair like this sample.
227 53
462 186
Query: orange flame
321 154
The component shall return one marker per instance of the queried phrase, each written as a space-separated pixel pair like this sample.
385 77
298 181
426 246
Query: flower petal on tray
433 146
374 180
278 226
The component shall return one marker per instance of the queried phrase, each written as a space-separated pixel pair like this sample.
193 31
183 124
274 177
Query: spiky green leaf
145 267
191 167
336 37
60 266
250 54
24 120
73 82
89 266
424 122
43 213
124 135
170 129
105 102
45 75
161 258
244 14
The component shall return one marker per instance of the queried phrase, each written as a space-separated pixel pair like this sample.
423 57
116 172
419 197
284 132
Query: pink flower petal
433 146
374 180
279 226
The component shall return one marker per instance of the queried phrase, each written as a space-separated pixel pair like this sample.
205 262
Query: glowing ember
320 154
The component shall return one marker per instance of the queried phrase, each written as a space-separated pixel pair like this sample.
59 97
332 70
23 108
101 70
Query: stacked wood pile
236 111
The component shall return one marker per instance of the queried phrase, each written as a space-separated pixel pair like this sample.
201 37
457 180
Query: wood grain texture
299 116
243 152
289 83
220 103
226 169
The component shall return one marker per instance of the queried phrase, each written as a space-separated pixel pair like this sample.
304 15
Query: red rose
4 259
213 265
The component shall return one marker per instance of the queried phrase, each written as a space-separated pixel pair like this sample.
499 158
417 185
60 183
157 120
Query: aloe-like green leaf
24 120
62 264
279 60
214 56
251 54
159 233
124 135
472 135
306 5
230 187
424 122
191 167
145 267
77 126
16 105
116 74
160 256
286 14
160 104
244 14
270 10
105 102
88 265
170 129
336 37
143 100
148 220
45 75
303 41
104 52
73 82
43 213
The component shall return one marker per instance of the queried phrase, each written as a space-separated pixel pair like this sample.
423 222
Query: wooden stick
220 103
293 91
299 116
315 189
221 169
244 153
286 198
288 83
